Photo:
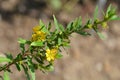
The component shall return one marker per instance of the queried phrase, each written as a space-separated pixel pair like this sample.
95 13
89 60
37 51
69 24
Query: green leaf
49 26
38 60
113 11
6 75
19 56
75 23
79 22
32 71
37 43
53 36
101 36
109 9
41 23
26 72
66 44
43 27
22 44
115 17
56 23
31 49
4 59
9 56
70 26
49 67
59 41
22 41
96 13
84 33
22 48
32 75
61 27
18 66
58 56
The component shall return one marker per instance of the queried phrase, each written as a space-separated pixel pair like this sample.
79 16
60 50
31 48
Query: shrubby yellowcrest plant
44 45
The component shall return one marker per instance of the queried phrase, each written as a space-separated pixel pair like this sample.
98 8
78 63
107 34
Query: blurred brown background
89 58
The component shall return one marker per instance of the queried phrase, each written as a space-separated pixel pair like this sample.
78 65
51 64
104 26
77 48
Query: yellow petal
36 28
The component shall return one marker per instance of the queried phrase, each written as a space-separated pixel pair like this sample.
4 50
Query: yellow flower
36 28
50 54
38 36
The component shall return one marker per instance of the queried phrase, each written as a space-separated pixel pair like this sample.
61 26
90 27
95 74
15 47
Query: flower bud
97 20
106 16
89 26
104 25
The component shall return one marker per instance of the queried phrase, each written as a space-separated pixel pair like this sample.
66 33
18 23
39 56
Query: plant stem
6 66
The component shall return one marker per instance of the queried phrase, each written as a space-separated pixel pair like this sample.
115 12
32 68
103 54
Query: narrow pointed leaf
115 17
56 23
4 59
22 41
101 36
6 76
18 66
9 56
59 41
49 26
26 72
37 43
32 71
69 26
61 27
32 75
43 27
58 56
96 12
41 23
109 8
